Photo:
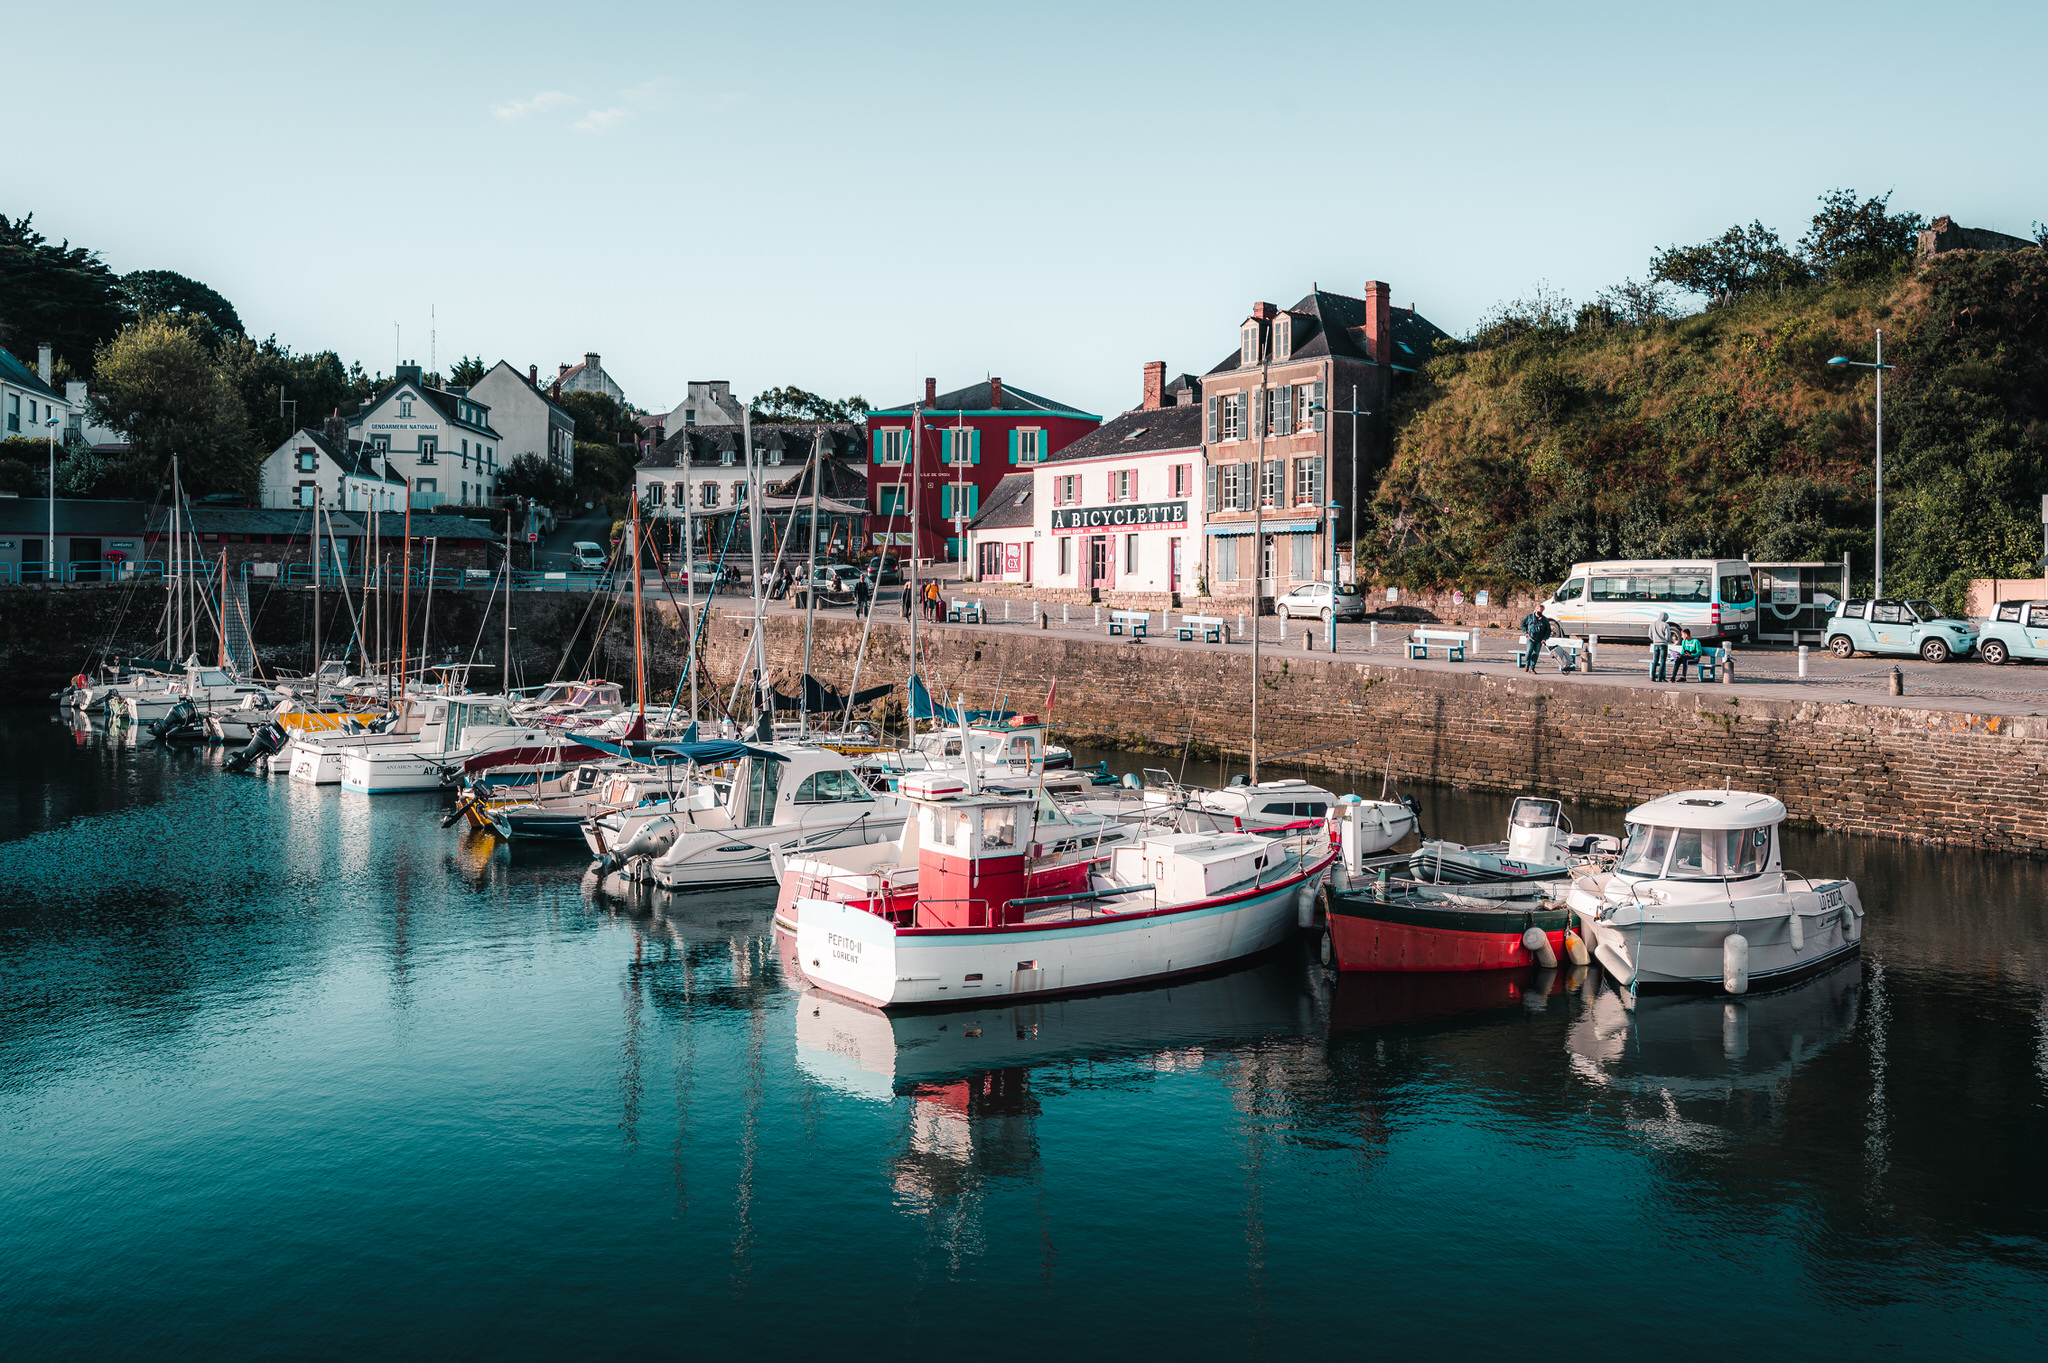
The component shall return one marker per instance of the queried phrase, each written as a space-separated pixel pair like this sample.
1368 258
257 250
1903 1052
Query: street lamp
50 547
1880 366
1333 508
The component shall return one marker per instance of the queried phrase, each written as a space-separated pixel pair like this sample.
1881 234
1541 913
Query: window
831 787
894 500
775 456
2010 612
891 445
725 458
1280 410
1269 482
1066 557
426 484
1123 485
1738 589
1226 558
405 407
465 493
739 494
689 416
1130 553
1066 489
309 460
1283 336
427 449
1304 407
14 411
1888 613
710 494
961 443
308 494
1183 479
1308 481
1233 416
656 494
380 442
1304 557
1030 446
2037 618
465 454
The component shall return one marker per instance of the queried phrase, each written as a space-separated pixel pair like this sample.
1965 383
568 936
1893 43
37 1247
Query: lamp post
50 548
1880 366
1354 413
1333 508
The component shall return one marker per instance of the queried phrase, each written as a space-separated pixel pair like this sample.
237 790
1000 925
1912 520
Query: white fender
1735 963
1852 925
1575 947
1537 943
1798 923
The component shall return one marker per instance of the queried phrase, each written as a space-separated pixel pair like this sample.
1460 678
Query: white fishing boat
1540 846
210 689
1701 899
785 797
982 925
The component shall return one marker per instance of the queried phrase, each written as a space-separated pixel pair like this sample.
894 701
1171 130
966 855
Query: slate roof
355 459
979 397
444 402
1145 431
1333 324
21 376
706 446
1008 506
30 516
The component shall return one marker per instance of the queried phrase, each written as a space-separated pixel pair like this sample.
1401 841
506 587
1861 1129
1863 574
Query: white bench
1450 641
1565 649
1210 627
1708 665
1137 623
963 612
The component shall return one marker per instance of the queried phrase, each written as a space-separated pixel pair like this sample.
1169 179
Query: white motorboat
430 740
1700 899
983 926
210 689
1540 846
1010 751
785 797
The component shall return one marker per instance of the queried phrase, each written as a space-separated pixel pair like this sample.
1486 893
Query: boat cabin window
952 748
1696 853
215 679
831 787
1887 613
2010 612
1645 851
999 827
951 829
1535 814
1854 609
493 713
1301 809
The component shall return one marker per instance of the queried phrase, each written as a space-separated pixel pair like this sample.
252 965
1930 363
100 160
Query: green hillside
1554 438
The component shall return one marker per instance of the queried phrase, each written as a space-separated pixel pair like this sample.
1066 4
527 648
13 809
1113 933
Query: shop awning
1271 528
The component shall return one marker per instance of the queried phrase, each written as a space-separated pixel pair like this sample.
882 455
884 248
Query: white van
1714 598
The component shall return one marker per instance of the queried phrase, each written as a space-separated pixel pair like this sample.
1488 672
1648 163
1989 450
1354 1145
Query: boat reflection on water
1708 1063
1368 1002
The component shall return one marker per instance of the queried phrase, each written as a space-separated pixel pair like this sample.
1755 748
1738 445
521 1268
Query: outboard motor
182 716
1416 810
265 742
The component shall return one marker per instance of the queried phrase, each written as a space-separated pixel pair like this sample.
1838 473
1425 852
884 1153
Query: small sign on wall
1457 598
1393 593
1482 599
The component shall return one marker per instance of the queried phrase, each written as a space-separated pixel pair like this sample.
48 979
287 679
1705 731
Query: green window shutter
1283 402
974 440
1320 404
1212 484
973 500
1013 444
876 439
946 502
1209 425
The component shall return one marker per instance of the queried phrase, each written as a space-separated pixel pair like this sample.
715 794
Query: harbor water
286 1071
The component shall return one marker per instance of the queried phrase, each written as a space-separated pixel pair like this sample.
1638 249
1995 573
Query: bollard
1240 626
1098 617
1472 648
1373 636
1308 640
1802 662
1898 686
1063 615
1727 666
1006 610
1592 651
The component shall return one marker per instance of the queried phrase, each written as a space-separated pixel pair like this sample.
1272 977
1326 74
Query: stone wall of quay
1885 771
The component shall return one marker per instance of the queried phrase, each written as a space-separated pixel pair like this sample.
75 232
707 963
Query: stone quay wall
1886 771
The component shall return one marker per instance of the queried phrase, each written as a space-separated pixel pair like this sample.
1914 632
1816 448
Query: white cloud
544 102
597 120
652 96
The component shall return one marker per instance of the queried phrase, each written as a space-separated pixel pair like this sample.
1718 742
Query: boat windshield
1534 814
1694 853
1645 850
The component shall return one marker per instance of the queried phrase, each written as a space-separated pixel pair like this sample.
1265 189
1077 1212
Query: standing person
861 595
931 601
1661 638
906 601
1535 629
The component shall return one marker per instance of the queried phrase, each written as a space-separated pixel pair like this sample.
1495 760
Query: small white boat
981 928
1701 899
423 750
787 797
1540 846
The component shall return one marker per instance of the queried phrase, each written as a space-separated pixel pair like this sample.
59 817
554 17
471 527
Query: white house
709 403
525 419
28 401
588 377
440 438
310 468
1120 509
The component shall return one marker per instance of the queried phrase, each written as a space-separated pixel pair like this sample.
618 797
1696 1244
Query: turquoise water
284 1071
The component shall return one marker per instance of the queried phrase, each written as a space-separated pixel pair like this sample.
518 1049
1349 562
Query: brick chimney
533 375
931 392
590 358
1264 312
995 395
1379 322
560 370
43 363
1155 384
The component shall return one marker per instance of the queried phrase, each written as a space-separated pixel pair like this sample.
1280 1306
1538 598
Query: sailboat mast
316 588
223 610
405 597
810 581
916 586
177 596
689 573
1258 420
505 677
754 535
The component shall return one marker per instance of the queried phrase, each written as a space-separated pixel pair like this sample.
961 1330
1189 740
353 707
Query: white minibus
1714 598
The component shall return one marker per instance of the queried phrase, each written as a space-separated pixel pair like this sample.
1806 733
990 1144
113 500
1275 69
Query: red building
965 441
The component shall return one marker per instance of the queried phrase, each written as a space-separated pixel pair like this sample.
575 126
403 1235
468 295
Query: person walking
1535 629
906 601
1661 639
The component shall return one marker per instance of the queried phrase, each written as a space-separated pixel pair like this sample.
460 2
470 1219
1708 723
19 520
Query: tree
599 417
534 477
467 372
60 294
150 292
1740 260
779 405
602 470
159 385
265 372
1636 305
1852 238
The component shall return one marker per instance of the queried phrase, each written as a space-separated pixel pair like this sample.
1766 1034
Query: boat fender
1575 947
1537 943
1798 929
1735 963
1852 927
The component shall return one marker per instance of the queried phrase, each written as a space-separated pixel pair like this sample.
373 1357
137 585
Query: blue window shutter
1013 444
974 457
1209 426
1320 404
973 500
1212 485
876 439
1316 481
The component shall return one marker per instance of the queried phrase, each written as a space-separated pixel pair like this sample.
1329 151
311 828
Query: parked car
886 570
1316 601
2015 629
1899 627
703 574
831 584
589 556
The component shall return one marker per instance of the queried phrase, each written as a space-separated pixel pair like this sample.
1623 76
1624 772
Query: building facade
932 463
310 469
709 402
588 377
1293 419
28 401
526 420
705 471
439 438
95 540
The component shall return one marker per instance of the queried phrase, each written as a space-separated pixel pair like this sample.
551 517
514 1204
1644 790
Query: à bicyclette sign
1073 520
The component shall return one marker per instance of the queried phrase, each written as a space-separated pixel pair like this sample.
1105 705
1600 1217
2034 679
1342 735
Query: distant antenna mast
432 323
397 344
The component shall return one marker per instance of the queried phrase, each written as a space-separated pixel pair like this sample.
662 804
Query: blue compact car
1901 627
2015 629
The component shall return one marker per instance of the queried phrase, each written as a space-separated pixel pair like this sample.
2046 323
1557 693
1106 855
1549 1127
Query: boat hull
1654 951
718 857
1368 933
857 955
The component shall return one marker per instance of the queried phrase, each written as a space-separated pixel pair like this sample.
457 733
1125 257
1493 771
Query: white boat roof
1710 809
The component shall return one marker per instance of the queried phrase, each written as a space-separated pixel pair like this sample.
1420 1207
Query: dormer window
1283 337
405 407
725 458
1248 344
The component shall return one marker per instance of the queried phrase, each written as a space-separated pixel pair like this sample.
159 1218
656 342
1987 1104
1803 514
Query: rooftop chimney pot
931 392
1264 312
1155 384
995 394
1379 322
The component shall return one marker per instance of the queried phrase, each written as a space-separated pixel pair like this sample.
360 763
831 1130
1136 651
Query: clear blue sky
848 197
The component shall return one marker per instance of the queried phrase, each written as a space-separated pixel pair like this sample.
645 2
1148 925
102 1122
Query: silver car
1319 600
